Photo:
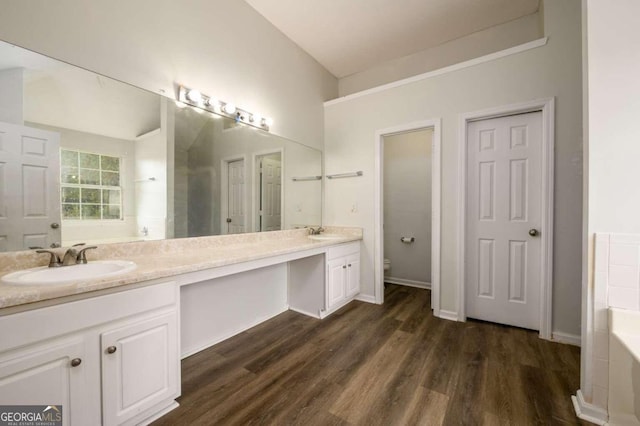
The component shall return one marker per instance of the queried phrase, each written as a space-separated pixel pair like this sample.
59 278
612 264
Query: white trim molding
447 315
569 339
408 283
547 106
434 124
588 412
440 71
366 298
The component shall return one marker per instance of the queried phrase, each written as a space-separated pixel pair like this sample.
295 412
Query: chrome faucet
72 256
316 231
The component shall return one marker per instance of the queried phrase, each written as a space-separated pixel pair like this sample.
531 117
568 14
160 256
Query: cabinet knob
349 265
344 266
76 362
111 349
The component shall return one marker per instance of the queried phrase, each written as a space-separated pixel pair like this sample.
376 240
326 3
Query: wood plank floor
393 364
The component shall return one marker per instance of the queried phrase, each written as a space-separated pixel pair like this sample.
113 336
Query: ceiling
349 36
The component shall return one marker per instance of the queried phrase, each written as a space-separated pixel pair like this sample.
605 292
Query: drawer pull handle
76 362
111 349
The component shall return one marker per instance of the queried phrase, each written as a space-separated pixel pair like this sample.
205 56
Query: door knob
533 232
76 362
228 220
111 349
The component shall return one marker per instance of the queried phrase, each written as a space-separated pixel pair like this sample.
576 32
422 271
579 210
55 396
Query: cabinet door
43 374
353 274
140 367
336 274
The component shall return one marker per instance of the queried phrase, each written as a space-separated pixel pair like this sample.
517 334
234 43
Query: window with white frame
90 186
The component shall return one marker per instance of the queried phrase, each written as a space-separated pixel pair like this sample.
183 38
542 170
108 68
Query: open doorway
433 126
407 208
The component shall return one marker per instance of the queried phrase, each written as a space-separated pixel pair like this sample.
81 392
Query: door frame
256 183
378 273
224 191
547 107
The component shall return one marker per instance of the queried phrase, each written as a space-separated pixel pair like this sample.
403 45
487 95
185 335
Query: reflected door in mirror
29 190
236 215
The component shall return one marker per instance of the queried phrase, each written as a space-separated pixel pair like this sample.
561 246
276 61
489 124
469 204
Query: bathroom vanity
109 350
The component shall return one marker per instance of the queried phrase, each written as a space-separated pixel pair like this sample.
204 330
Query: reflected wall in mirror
84 158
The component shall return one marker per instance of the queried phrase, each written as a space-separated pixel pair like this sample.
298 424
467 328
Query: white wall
477 44
550 70
612 196
12 100
407 205
225 48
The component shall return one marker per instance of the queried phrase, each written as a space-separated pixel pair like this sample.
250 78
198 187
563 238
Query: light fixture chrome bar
300 179
345 175
194 98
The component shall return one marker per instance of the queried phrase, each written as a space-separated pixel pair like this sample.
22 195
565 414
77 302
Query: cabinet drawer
343 250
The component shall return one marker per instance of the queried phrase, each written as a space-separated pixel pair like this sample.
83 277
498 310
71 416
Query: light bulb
229 108
194 96
267 122
256 118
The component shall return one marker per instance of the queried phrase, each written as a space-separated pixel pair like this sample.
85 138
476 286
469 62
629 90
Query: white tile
623 254
601 345
601 396
624 298
623 276
601 316
601 373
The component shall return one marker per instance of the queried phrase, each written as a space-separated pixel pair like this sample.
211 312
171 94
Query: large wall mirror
85 158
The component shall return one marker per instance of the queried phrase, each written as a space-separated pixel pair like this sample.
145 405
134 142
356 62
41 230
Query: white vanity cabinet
342 275
110 360
51 373
138 367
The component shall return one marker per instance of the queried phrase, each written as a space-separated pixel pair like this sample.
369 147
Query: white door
236 210
336 285
29 187
48 374
504 189
140 367
270 193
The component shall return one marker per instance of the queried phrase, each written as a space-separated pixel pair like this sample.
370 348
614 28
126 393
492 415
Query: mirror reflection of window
90 186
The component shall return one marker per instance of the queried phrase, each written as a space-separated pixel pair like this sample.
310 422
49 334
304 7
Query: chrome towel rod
345 175
300 179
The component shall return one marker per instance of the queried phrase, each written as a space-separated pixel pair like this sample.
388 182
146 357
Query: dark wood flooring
393 364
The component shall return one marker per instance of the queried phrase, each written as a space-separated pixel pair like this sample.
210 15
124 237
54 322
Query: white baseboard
366 298
409 283
448 315
303 312
569 339
589 412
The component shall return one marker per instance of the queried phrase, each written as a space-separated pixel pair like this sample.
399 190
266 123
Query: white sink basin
326 237
65 274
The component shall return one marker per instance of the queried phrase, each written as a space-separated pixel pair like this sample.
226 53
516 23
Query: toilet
387 265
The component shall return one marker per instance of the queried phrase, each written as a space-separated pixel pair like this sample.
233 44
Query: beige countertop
162 259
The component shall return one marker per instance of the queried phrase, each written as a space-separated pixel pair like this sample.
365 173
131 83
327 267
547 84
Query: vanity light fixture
198 100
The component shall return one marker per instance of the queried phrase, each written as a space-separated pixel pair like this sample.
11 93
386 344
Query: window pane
89 177
69 158
110 212
70 211
70 195
69 175
89 161
90 196
110 163
110 179
111 196
90 212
